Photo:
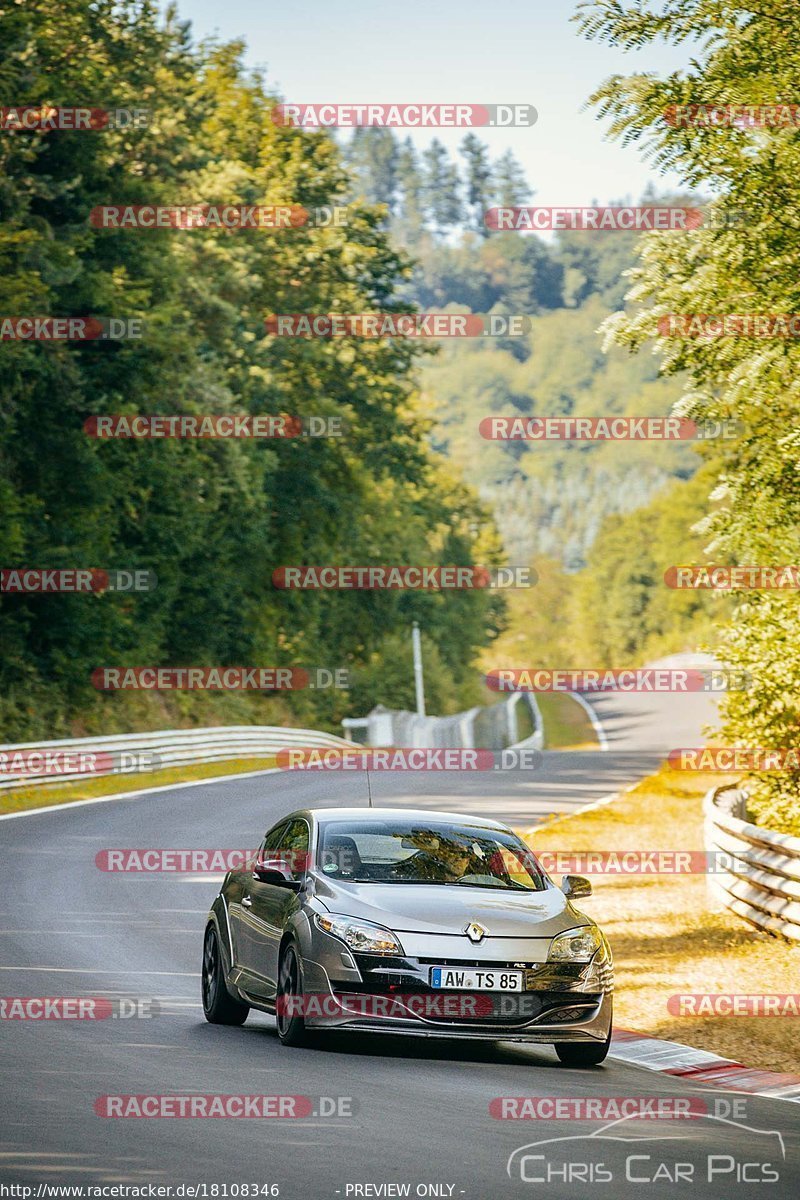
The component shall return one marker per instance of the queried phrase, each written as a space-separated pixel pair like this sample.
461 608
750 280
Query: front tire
291 1025
219 1006
583 1054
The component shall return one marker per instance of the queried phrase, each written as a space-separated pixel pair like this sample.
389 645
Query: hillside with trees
548 498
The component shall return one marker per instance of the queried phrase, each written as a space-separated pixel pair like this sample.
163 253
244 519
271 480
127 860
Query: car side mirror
277 873
575 886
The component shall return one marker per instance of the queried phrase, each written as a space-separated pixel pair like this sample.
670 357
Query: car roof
323 816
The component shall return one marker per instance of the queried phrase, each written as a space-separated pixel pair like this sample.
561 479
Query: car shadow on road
428 1049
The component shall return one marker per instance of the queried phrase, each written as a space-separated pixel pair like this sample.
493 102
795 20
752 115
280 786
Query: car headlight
360 935
576 945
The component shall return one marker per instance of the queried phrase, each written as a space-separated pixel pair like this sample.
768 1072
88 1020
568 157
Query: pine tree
478 182
372 157
511 188
410 185
442 188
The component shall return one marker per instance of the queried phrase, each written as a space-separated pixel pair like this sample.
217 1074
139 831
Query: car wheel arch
289 938
222 927
225 949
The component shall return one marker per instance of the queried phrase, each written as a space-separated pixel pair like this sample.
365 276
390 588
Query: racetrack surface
420 1108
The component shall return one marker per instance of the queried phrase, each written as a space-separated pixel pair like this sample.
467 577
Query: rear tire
291 1025
583 1054
219 1006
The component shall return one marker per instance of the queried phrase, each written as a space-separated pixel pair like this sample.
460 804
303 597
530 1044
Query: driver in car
440 860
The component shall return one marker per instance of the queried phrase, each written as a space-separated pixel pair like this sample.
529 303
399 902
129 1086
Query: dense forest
413 480
211 518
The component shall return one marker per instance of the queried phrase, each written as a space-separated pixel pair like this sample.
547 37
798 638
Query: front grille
383 973
385 977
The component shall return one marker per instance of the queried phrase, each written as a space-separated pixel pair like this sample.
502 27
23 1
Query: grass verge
566 723
664 936
40 796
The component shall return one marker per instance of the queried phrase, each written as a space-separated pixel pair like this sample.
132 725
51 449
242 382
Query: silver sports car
405 921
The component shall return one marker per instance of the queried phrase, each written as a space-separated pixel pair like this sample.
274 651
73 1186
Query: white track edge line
165 787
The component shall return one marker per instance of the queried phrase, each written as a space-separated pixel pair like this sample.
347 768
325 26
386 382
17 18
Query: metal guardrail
168 747
759 874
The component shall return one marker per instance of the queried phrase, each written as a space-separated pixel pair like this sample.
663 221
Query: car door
266 907
241 902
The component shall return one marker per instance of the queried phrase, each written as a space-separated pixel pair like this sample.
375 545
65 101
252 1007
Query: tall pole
418 679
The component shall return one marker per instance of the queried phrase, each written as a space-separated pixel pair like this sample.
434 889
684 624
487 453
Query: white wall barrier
493 727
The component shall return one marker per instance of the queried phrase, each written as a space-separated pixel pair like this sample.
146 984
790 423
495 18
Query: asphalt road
420 1110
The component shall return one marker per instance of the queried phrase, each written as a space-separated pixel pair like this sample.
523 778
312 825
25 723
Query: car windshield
404 851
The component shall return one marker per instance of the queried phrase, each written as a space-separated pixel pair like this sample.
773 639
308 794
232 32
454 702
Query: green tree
372 157
477 182
746 261
442 188
410 184
511 188
623 612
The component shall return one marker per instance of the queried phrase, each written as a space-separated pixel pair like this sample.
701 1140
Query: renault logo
475 932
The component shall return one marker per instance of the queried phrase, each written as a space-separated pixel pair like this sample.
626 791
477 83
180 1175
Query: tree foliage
211 518
748 55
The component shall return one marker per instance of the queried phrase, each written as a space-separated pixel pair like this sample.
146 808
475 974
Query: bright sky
500 51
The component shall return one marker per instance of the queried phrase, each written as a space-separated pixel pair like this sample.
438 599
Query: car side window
295 847
273 840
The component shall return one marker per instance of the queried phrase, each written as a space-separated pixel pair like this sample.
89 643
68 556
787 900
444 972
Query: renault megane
407 921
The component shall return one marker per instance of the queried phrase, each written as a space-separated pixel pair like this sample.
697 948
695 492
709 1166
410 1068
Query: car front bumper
561 1002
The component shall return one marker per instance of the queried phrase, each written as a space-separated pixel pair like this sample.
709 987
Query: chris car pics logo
621 1152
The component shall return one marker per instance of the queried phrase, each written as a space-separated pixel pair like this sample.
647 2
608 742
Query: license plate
453 979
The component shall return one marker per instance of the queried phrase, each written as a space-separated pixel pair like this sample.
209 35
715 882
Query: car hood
444 908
